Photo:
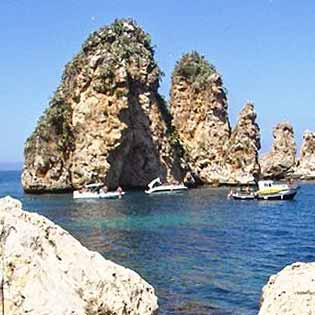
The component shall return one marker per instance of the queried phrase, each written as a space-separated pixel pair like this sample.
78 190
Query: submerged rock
200 118
291 291
240 162
46 271
106 121
280 161
306 165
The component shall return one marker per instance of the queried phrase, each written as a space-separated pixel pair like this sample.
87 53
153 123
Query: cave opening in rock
137 160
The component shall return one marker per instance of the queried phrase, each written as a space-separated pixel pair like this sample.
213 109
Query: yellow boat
268 190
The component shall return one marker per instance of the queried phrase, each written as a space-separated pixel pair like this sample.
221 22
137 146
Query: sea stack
106 122
290 292
240 162
200 114
46 271
306 164
279 163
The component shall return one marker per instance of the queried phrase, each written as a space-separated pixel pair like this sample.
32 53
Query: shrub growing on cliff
55 122
195 69
125 44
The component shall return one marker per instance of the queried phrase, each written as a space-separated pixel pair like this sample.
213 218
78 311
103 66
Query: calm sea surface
204 254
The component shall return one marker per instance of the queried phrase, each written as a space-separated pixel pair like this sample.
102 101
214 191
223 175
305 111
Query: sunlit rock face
241 152
46 271
106 122
280 161
215 153
306 165
199 107
291 291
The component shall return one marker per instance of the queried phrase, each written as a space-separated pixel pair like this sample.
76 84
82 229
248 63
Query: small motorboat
268 190
156 187
96 191
242 195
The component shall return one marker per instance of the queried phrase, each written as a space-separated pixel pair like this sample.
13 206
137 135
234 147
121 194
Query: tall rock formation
199 108
200 117
280 161
46 271
290 292
240 163
306 165
106 121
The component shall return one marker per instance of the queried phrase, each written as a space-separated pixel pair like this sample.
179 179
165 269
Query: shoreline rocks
47 271
291 291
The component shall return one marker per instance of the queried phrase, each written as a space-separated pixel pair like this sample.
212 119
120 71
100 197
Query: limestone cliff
106 121
306 165
199 108
280 161
290 292
240 163
200 117
46 271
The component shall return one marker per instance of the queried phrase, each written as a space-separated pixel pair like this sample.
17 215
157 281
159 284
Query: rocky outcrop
240 163
291 291
106 121
280 161
199 108
46 271
306 165
200 117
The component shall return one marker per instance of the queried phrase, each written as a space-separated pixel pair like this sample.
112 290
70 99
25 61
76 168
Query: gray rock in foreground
47 271
290 292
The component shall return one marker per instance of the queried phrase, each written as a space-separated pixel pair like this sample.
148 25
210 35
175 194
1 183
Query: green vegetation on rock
195 69
54 126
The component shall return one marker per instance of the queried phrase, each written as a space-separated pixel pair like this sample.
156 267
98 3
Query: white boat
268 190
94 191
156 187
242 195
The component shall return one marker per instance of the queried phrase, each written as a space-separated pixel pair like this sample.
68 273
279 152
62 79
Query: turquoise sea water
204 254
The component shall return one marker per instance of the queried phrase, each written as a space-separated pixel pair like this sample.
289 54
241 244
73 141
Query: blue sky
264 50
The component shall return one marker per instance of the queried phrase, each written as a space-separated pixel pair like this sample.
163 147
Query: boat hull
92 195
166 189
267 190
285 195
243 197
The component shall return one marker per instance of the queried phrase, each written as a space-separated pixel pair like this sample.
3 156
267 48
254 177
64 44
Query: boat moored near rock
97 191
266 190
243 193
156 186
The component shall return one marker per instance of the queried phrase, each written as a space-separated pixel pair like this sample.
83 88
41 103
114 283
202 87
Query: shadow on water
204 254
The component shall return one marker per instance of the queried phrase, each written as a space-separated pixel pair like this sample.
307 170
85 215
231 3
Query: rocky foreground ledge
47 271
290 292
